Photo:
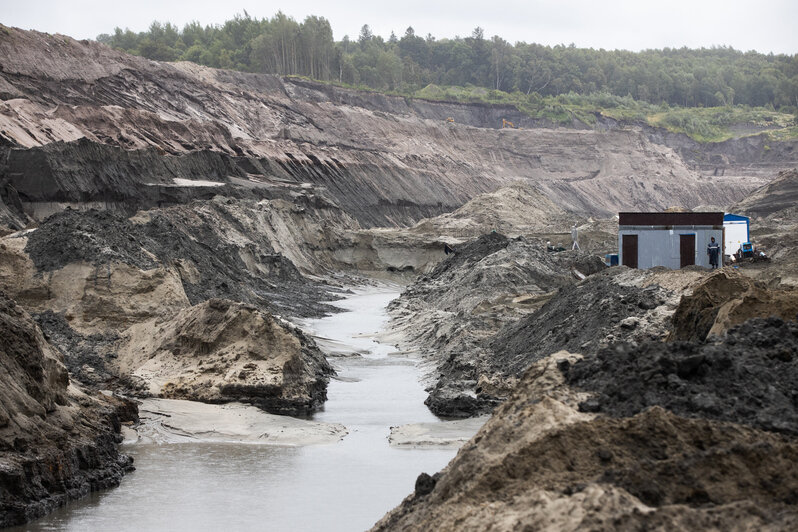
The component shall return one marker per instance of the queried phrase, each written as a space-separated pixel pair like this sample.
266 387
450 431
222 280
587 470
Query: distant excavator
450 120
507 123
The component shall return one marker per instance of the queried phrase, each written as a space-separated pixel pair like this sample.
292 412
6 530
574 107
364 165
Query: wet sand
175 421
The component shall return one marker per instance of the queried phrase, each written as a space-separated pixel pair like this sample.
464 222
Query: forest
706 77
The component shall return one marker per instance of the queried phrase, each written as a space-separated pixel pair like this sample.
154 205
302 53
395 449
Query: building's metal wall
659 246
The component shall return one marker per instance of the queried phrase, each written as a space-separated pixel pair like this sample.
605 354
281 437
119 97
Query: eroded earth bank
628 399
166 228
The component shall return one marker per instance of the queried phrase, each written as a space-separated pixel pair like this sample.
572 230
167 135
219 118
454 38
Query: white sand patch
441 434
176 421
179 181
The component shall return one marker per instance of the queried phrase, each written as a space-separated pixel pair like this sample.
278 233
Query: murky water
345 486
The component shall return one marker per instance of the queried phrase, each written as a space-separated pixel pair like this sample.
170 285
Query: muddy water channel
343 486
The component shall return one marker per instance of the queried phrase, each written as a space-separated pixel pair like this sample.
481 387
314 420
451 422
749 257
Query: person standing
575 237
713 250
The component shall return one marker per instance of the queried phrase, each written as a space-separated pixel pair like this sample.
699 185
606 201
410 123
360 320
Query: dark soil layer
12 215
86 356
223 273
577 319
750 376
178 234
96 237
472 252
54 446
87 171
38 481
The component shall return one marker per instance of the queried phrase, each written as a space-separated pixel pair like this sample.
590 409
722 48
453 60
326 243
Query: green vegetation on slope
704 124
737 92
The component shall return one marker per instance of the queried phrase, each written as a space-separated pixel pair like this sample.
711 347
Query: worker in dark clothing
447 248
713 250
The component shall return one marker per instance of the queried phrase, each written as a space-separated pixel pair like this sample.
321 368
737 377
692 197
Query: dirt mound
722 463
452 312
749 376
777 198
493 268
728 298
472 252
220 351
515 210
581 317
537 465
56 443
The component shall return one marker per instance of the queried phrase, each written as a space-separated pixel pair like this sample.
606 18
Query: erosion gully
346 486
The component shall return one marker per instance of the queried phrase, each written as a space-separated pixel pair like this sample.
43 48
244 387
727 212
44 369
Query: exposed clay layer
56 443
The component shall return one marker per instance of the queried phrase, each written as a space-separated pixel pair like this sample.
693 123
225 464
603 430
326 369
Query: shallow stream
345 486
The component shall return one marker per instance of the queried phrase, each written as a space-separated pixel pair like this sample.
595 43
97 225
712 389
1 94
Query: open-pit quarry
225 304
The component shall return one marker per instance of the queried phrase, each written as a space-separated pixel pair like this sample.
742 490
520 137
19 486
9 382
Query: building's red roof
670 218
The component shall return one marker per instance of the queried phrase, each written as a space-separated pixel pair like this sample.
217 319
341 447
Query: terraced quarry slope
83 124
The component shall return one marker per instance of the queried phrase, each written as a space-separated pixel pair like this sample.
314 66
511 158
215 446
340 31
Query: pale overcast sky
763 25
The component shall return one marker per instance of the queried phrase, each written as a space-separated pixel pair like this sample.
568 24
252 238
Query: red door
629 250
686 250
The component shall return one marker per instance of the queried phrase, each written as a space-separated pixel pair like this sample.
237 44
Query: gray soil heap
453 312
749 376
581 317
56 442
171 237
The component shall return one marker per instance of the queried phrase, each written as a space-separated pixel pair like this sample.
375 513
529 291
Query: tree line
717 76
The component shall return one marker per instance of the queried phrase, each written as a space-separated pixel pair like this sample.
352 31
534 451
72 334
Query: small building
670 239
736 232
